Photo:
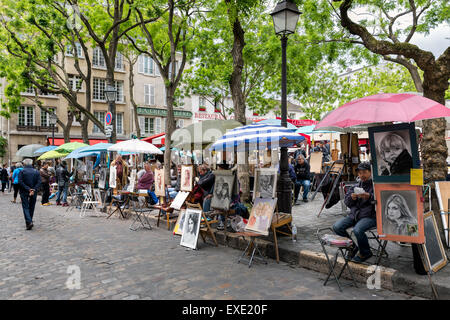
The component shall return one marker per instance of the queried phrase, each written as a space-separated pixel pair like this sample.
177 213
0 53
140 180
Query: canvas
261 215
434 252
159 183
187 173
443 196
394 152
102 178
178 229
112 177
89 169
399 212
179 200
265 183
223 189
191 228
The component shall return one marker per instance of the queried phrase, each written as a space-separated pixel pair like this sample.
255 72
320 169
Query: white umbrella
28 150
135 145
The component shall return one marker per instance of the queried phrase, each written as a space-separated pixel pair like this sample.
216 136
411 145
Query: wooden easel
205 225
336 170
164 205
278 221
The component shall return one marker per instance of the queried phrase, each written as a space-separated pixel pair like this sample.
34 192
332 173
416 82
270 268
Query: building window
119 123
146 65
45 117
100 115
26 116
70 52
98 59
119 62
180 123
99 90
29 90
202 102
149 94
146 125
75 83
291 116
170 69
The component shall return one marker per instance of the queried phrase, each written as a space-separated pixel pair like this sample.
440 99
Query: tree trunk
66 129
133 103
84 130
170 128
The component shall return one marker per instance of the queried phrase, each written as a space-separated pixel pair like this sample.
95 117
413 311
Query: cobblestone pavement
117 263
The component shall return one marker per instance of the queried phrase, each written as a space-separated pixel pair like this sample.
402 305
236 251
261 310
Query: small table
279 220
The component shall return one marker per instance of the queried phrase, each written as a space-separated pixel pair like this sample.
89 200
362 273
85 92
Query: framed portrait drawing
394 152
160 189
399 212
89 170
434 252
265 183
178 229
261 215
112 177
223 189
102 178
191 228
187 176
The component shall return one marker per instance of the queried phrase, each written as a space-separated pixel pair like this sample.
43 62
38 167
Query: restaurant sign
163 112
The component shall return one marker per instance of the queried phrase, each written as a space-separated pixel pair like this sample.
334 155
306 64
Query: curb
390 279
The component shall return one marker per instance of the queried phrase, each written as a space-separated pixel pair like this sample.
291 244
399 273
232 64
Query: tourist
15 179
11 170
362 216
29 184
121 171
302 172
4 177
206 182
62 178
45 180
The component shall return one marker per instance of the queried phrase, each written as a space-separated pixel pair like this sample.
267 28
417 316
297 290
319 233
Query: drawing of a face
187 176
393 212
158 181
191 225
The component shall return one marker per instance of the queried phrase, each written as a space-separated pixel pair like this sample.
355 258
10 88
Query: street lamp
53 119
285 17
110 95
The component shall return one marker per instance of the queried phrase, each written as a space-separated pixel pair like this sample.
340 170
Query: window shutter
158 125
146 94
141 124
156 68
152 95
140 64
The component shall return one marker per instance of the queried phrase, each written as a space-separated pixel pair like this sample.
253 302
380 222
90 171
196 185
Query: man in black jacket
62 177
302 169
29 184
362 215
206 182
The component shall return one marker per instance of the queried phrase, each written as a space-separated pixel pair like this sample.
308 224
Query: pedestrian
29 184
45 178
15 180
62 178
302 171
11 170
4 177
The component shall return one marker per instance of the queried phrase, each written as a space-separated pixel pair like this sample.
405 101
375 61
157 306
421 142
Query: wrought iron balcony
36 128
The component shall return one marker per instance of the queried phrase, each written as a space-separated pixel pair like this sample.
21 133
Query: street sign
108 130
108 118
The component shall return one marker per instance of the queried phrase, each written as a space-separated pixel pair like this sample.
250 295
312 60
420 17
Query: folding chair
76 198
120 201
88 203
251 243
342 248
140 214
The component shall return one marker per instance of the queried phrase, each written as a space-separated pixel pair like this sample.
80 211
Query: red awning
301 122
155 141
60 141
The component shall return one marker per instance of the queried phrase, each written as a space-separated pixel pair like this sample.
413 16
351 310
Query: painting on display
160 189
435 256
180 223
394 152
102 178
265 183
261 215
112 177
179 200
187 175
191 228
443 196
223 189
399 212
89 169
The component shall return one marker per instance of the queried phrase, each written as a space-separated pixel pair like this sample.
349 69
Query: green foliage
3 146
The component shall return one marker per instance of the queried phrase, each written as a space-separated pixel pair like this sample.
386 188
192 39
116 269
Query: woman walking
4 178
15 179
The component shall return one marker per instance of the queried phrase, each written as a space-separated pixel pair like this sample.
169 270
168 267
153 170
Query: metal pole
53 134
285 183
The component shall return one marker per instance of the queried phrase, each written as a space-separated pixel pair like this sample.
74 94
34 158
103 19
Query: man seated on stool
302 169
362 216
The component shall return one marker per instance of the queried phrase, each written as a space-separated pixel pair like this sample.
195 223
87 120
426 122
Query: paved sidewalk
116 263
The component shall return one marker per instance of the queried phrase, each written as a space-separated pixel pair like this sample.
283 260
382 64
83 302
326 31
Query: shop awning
157 140
60 141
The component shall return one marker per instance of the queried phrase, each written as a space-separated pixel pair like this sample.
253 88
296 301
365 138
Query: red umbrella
383 107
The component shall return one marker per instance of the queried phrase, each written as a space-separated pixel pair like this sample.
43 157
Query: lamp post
110 95
285 17
53 119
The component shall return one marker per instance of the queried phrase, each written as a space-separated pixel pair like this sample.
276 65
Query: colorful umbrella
28 150
383 107
78 153
53 154
69 147
276 122
99 147
40 151
135 145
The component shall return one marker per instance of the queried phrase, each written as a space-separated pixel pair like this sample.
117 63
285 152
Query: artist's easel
164 205
280 220
335 174
205 225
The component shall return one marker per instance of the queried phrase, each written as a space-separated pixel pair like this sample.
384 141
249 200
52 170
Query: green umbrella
28 150
201 133
53 154
69 147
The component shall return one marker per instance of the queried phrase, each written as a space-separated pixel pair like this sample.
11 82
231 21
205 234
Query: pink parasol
383 107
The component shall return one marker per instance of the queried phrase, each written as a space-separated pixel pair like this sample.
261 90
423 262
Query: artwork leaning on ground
261 215
394 152
191 228
186 177
265 183
159 183
399 212
223 189
435 256
178 229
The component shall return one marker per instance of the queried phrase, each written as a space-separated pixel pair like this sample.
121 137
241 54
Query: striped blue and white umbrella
257 136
